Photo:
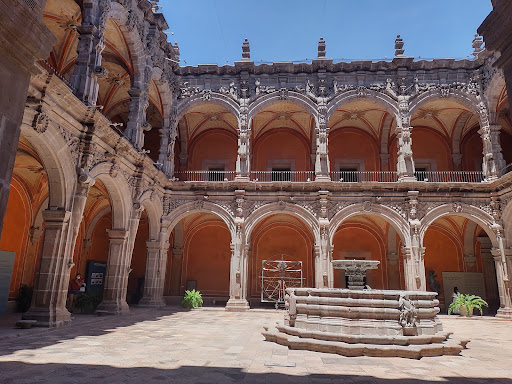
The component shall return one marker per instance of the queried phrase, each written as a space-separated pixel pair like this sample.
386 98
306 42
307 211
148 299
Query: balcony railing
364 176
450 176
283 176
216 176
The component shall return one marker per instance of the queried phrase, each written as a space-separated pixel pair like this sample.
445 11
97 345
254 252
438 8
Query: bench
26 324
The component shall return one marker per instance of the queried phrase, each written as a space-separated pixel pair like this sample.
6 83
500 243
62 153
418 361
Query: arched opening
23 222
199 258
206 147
472 149
458 254
503 114
439 127
282 149
369 237
279 237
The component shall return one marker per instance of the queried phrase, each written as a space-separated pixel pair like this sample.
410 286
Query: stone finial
477 45
155 7
246 50
399 45
321 48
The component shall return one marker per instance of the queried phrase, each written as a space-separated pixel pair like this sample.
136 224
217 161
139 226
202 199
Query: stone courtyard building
190 177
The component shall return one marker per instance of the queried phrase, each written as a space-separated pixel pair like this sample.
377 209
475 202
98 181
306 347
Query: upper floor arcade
440 121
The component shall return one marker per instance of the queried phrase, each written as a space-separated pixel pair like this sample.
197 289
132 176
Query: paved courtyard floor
214 346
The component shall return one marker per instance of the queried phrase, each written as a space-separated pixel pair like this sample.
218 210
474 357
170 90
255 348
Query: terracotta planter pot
464 312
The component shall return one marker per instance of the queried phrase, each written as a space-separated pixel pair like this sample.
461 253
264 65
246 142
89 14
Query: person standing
74 290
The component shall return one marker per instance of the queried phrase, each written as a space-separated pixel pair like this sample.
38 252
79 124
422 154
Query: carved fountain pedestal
357 322
355 270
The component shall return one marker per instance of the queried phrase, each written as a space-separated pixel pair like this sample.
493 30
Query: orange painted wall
213 145
207 256
276 238
139 256
349 143
427 144
443 253
100 240
281 144
15 232
355 237
471 150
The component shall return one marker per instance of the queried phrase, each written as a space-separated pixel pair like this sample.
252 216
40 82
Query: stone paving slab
214 346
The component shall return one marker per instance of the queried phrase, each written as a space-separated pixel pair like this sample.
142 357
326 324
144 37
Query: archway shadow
17 372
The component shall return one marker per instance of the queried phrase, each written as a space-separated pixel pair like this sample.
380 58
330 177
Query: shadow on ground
17 373
13 339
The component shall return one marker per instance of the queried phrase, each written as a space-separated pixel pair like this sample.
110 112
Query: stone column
25 39
238 271
414 269
91 43
177 265
493 156
243 160
489 270
322 166
503 262
155 273
137 124
50 294
118 268
167 143
405 162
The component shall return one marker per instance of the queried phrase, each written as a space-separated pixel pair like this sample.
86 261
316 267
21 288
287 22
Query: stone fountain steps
365 339
359 310
411 350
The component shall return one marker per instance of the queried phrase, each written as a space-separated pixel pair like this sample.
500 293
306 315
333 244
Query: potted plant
192 299
466 303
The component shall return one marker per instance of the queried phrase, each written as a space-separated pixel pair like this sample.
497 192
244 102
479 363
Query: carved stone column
91 43
414 269
489 271
322 166
493 161
503 262
25 39
405 162
118 268
50 294
238 271
177 265
155 272
243 160
137 123
31 255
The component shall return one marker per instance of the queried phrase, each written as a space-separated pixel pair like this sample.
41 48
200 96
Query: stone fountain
355 270
356 322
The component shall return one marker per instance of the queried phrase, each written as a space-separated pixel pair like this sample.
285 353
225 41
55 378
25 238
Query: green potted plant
466 303
192 299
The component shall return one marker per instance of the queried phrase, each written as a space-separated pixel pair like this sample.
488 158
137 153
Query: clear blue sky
212 31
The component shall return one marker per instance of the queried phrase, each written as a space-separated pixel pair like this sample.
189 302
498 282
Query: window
281 174
349 175
216 174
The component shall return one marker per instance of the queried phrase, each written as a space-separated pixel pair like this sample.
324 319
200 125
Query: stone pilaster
238 271
118 268
31 255
493 160
177 264
50 294
137 123
23 39
322 166
155 273
243 160
167 143
489 270
503 262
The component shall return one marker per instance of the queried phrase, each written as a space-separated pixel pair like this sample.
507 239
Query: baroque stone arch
153 206
215 98
507 222
377 97
58 163
470 212
467 100
397 221
292 97
282 208
200 206
119 193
